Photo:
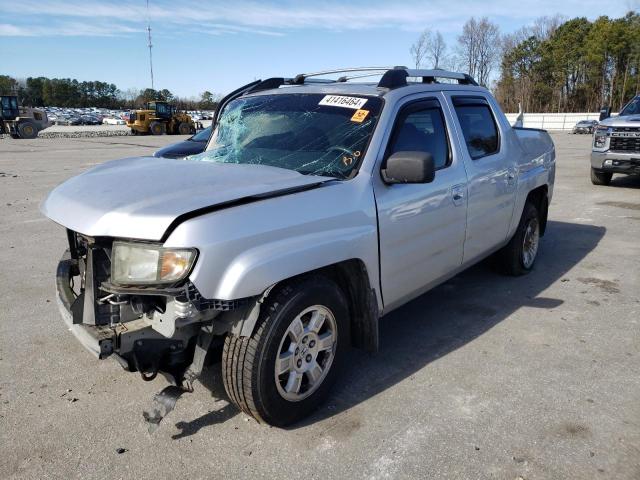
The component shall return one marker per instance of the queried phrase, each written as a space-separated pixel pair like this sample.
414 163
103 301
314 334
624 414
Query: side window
478 126
420 127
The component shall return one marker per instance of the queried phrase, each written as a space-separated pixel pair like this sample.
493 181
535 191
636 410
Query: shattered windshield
314 134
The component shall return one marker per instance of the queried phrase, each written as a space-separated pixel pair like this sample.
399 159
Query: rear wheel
157 128
285 369
519 255
184 128
600 178
27 130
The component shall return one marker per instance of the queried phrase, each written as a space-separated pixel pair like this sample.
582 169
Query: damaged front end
150 329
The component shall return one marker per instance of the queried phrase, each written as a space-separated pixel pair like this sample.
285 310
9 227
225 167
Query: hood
626 121
181 149
141 197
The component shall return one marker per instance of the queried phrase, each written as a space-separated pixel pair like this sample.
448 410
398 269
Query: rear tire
519 255
600 178
184 128
27 130
286 368
157 128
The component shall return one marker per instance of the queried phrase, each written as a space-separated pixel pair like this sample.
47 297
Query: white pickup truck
318 206
616 145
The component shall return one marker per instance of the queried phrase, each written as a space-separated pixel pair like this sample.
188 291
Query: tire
600 178
249 363
519 255
157 128
27 130
184 128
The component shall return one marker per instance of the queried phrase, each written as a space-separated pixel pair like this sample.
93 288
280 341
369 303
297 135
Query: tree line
67 92
553 65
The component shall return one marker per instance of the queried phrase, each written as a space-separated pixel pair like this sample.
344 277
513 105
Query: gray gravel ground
484 377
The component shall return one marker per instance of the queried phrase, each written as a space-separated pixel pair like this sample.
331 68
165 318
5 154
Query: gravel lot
484 377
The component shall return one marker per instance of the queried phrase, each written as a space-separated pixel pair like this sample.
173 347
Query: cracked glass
295 132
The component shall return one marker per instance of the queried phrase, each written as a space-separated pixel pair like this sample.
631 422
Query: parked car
616 145
315 209
190 146
585 126
113 121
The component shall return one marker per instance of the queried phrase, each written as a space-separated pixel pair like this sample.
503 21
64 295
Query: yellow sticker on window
359 116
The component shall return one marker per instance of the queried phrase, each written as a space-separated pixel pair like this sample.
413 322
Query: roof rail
397 77
300 78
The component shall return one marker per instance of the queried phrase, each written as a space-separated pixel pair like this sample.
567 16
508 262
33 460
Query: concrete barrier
553 121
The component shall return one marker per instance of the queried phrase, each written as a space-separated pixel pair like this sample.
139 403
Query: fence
553 121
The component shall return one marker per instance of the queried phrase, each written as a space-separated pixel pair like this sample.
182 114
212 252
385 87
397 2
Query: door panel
421 229
491 176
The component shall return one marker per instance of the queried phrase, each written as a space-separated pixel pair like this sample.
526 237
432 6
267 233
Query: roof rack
397 77
300 78
392 77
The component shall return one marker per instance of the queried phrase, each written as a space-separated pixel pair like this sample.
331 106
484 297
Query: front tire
184 128
157 128
286 368
600 178
27 130
519 255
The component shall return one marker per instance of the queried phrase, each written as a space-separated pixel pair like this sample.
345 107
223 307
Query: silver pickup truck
318 206
616 145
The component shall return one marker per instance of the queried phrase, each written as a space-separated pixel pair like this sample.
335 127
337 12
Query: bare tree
479 48
544 27
419 48
436 49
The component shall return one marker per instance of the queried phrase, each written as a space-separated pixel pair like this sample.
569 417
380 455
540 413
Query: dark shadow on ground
443 320
625 181
455 313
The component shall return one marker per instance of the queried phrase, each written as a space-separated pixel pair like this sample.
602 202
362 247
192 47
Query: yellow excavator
160 118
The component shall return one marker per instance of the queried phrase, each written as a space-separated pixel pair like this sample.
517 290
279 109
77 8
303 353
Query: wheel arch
539 197
352 278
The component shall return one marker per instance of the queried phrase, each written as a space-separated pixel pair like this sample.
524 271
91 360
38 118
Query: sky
218 46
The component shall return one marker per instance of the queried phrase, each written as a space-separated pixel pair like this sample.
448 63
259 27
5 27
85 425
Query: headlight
600 137
139 263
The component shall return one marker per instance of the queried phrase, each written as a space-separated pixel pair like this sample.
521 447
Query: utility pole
150 45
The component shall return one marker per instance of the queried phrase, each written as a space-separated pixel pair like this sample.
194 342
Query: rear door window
478 126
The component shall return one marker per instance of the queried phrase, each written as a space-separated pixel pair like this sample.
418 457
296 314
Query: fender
256 269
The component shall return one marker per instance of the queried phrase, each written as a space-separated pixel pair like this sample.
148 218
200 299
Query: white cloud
275 18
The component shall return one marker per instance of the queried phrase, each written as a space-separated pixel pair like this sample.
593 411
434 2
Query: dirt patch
574 430
606 285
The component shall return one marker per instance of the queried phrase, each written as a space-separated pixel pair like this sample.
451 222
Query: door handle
457 194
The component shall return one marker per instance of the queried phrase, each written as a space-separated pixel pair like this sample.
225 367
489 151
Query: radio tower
150 45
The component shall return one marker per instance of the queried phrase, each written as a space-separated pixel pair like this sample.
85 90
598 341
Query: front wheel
184 128
519 255
27 129
600 178
157 128
285 369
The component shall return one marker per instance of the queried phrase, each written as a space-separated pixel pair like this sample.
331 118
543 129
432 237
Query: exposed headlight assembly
600 138
147 264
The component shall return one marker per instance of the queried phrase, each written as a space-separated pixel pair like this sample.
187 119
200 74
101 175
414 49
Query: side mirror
605 112
409 167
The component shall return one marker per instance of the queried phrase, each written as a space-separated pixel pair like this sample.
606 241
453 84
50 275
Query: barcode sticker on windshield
342 101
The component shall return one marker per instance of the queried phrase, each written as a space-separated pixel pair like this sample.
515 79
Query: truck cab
318 206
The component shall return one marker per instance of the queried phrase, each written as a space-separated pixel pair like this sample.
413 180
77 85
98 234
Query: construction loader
159 118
